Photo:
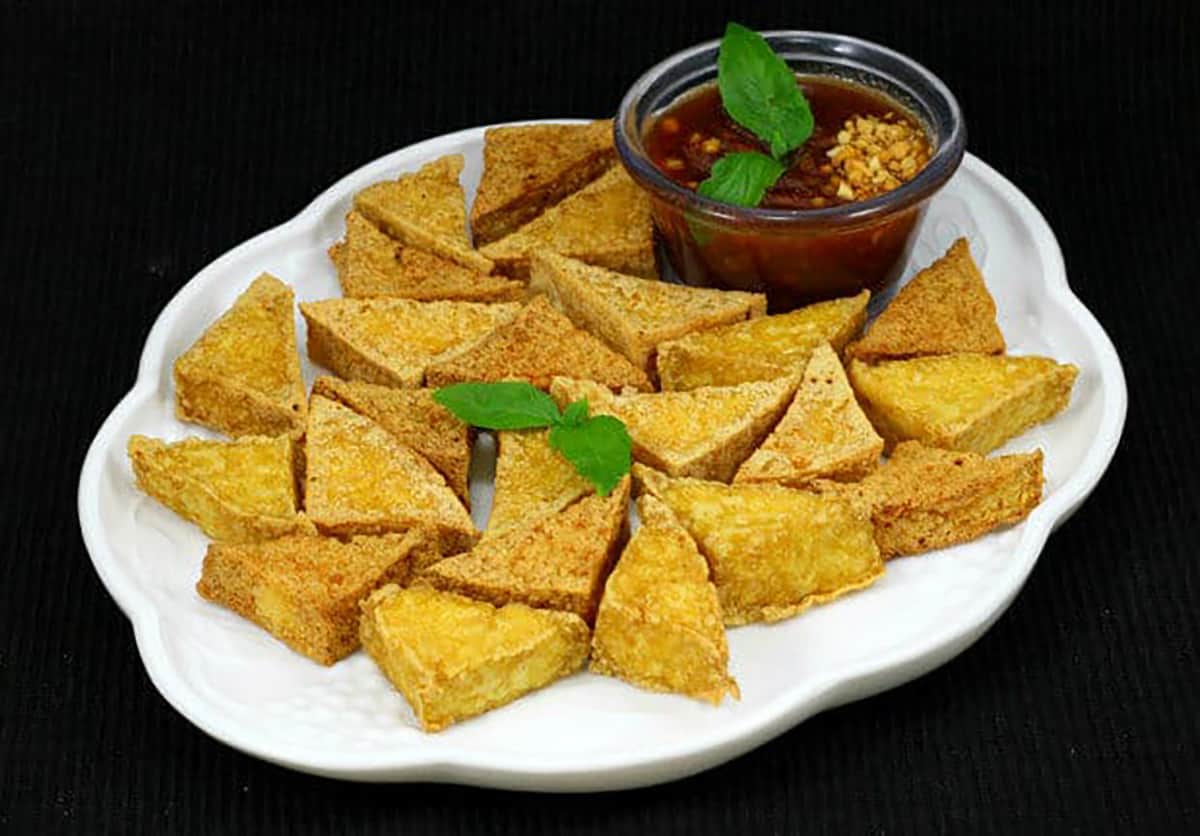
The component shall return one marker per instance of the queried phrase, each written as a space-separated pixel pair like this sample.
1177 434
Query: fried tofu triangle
762 348
606 223
415 419
370 263
559 562
660 625
537 345
824 434
306 591
633 314
392 341
944 309
533 481
529 168
454 658
925 498
236 491
242 377
705 432
971 402
362 480
774 552
427 210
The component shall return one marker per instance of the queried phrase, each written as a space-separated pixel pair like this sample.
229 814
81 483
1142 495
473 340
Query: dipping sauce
863 144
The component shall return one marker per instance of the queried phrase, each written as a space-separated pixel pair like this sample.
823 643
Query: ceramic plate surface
586 732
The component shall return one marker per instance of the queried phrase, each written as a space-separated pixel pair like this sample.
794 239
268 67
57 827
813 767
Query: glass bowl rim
941 166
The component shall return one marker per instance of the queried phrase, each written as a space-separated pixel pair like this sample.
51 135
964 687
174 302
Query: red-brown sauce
695 132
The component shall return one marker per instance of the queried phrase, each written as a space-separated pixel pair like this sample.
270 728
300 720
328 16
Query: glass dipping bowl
795 256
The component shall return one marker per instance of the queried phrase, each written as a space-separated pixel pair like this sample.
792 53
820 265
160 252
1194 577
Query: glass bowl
795 256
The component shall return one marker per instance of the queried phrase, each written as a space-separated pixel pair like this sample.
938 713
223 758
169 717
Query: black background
141 142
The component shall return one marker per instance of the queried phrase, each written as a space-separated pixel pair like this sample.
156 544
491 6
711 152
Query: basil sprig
742 178
760 93
598 445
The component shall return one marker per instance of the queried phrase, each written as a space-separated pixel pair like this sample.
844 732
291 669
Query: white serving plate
586 732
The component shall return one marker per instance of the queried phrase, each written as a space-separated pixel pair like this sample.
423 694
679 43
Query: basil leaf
508 405
760 92
575 413
599 448
741 178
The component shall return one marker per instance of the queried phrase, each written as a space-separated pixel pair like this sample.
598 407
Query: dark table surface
139 143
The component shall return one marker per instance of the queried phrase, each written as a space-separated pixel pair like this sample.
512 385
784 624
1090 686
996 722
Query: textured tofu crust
454 658
774 552
236 491
824 434
537 345
660 625
971 402
370 263
529 168
606 223
415 419
633 314
944 309
427 210
533 481
392 341
242 377
705 432
925 498
362 480
306 591
559 562
762 348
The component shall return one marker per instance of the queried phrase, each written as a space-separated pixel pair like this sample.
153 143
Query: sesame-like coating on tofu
306 590
944 309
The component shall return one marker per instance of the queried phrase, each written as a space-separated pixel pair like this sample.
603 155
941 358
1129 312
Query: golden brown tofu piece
559 562
705 432
972 402
925 498
416 419
773 551
606 223
425 209
633 314
759 349
392 341
823 435
306 590
944 309
370 263
537 345
529 168
453 658
242 377
660 625
533 481
237 491
361 479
